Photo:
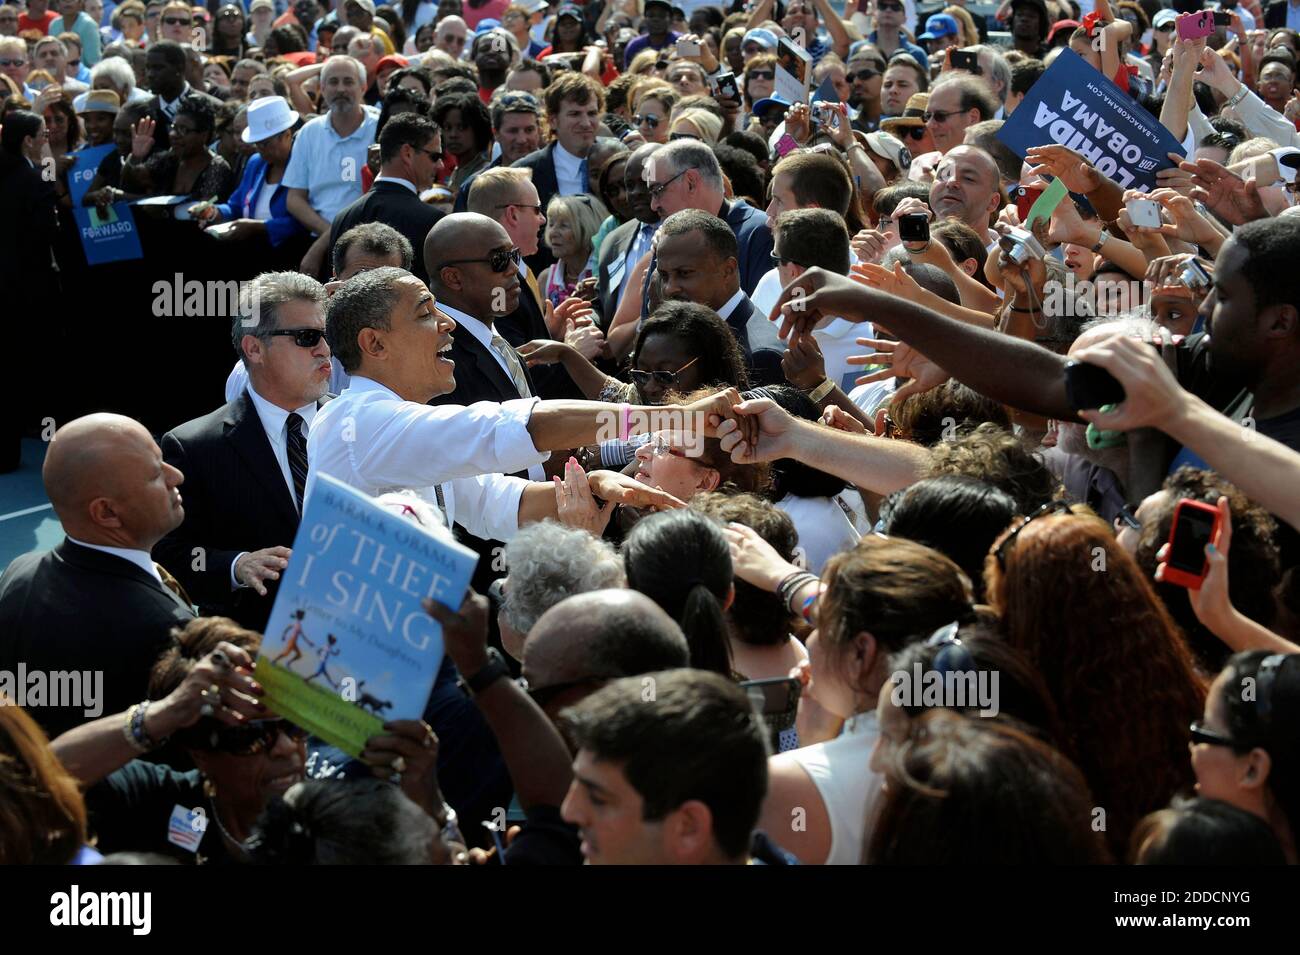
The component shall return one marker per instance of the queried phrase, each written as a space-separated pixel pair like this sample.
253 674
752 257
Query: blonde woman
969 35
696 124
571 222
652 105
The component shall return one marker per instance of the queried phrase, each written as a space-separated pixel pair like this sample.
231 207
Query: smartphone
829 115
775 696
1195 525
965 60
726 85
1193 26
786 145
688 48
1025 199
1222 19
1144 212
914 227
1090 386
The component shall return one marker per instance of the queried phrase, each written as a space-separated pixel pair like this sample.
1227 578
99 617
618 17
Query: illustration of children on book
292 634
327 650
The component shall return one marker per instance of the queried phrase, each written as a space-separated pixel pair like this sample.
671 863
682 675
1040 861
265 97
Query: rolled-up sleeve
488 505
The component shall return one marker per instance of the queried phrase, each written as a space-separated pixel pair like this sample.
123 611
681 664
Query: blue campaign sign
107 237
1074 105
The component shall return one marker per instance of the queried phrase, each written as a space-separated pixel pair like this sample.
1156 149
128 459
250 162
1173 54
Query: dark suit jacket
527 324
754 237
609 268
392 204
462 197
162 125
236 499
542 163
759 342
1275 15
74 608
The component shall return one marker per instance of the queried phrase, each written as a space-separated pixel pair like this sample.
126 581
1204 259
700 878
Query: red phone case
1026 201
1182 578
1195 25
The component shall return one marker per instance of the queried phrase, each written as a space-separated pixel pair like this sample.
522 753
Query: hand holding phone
1144 213
1195 525
1194 26
688 47
1091 386
965 60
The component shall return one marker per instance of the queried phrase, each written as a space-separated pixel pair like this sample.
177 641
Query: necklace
224 831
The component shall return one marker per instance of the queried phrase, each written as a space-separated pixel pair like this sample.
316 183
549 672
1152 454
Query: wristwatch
492 671
821 391
1102 239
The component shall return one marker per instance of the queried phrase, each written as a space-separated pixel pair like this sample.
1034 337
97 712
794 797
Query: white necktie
513 365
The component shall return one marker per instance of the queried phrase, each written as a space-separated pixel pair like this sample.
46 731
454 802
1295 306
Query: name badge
186 827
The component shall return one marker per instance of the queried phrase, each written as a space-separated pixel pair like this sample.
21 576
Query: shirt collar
400 181
570 160
179 96
725 312
476 327
140 558
274 418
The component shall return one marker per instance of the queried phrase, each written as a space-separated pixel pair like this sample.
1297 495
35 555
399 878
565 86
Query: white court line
26 511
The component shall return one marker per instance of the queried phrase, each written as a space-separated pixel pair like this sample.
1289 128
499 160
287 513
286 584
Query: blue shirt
904 46
328 165
637 44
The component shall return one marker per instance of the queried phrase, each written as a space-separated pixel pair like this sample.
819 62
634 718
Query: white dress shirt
568 172
237 380
275 422
140 558
725 312
483 335
400 181
374 441
640 246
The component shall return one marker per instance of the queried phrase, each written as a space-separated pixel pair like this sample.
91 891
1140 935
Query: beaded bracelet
129 728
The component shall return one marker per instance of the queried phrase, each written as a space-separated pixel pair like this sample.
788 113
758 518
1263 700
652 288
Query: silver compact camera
1020 245
1194 276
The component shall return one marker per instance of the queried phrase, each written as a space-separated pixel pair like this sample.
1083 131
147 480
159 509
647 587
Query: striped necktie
513 364
297 446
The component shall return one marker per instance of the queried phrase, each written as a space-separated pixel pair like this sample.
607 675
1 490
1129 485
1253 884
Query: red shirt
27 23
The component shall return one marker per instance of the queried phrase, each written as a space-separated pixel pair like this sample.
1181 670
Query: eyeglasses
256 736
665 378
10 62
762 74
940 115
499 259
659 188
302 337
863 75
648 120
433 154
1051 507
177 21
896 7
537 210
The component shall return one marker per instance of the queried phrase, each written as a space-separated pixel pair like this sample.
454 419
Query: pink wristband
626 423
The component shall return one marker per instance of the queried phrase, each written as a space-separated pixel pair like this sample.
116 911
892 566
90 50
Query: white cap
268 117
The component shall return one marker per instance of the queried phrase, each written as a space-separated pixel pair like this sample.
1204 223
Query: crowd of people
827 501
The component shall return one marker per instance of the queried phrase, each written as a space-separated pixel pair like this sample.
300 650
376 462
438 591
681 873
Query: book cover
348 646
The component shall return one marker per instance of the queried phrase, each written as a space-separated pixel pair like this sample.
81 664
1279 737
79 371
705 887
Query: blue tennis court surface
27 521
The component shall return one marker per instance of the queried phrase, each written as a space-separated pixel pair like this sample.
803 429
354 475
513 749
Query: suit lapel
489 368
244 430
96 561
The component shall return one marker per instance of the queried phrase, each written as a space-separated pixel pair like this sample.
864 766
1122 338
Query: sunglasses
778 259
863 75
1051 507
543 695
177 21
500 260
1200 734
257 736
896 7
911 132
762 74
651 121
665 378
940 115
302 337
9 62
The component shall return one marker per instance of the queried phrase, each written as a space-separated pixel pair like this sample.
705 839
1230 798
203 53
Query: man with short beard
326 148
493 52
865 73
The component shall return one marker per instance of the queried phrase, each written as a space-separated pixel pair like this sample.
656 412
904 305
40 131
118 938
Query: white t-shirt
824 524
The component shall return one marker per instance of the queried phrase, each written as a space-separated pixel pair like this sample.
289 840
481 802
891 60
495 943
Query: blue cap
569 10
485 25
940 25
764 103
766 38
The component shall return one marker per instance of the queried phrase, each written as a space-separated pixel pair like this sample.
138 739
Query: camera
914 227
1020 245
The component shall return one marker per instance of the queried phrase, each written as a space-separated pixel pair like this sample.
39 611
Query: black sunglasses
177 21
1200 734
863 75
499 259
302 337
256 736
665 378
651 121
433 154
1051 507
543 695
778 259
912 132
762 74
896 7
